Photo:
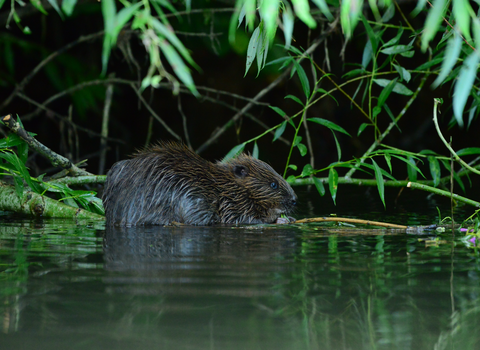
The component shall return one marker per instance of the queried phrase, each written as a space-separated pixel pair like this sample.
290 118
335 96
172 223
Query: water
80 286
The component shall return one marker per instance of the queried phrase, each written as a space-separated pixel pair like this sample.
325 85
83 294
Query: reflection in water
82 287
199 260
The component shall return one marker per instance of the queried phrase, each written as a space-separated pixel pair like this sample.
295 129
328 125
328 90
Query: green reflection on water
71 285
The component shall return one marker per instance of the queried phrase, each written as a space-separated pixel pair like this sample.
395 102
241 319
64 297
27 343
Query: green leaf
464 84
393 50
404 74
457 178
252 49
367 54
319 186
337 144
37 4
433 21
388 159
468 151
396 39
269 12
302 9
386 92
122 17
412 169
279 131
322 5
288 22
371 34
462 11
291 179
302 148
234 151
109 12
19 187
410 161
476 29
350 12
169 34
399 88
328 124
68 6
307 170
255 150
262 50
165 3
22 151
54 4
293 167
249 7
279 111
333 183
380 181
389 13
353 73
303 78
430 64
325 92
179 67
13 159
420 6
362 128
376 110
296 99
452 51
434 170
297 140
11 140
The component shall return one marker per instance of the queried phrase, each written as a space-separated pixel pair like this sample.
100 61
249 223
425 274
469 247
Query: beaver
168 183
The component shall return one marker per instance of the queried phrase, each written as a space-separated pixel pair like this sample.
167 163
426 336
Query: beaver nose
293 202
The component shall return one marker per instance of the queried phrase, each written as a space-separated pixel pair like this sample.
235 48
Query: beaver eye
274 185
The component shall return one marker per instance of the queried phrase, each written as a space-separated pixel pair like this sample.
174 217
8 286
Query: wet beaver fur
170 183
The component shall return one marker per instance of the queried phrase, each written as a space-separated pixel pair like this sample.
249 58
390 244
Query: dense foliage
398 54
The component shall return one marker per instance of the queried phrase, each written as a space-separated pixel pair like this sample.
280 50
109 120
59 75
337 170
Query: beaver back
168 182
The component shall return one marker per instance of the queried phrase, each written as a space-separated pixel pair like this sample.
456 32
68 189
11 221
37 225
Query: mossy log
40 206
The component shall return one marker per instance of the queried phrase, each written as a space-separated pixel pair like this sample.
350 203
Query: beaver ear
240 171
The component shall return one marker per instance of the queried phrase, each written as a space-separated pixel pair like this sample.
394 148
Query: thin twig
439 132
389 128
262 93
184 121
65 119
35 70
75 88
105 120
155 115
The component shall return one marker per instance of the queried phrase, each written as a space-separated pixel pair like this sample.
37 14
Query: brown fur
168 182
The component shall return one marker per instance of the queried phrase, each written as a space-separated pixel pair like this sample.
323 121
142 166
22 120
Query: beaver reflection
189 247
170 183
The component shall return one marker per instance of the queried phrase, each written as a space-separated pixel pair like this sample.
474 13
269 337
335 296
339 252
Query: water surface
77 285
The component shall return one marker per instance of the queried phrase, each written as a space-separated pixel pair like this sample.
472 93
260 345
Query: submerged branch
352 221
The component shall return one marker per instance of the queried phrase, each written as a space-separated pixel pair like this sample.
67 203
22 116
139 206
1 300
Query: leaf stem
439 132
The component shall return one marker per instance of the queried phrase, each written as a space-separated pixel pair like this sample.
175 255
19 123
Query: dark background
223 68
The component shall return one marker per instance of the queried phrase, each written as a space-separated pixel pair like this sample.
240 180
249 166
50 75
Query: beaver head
255 193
